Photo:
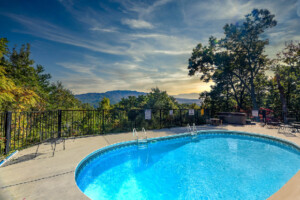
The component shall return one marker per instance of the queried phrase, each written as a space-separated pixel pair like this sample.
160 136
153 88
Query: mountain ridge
116 95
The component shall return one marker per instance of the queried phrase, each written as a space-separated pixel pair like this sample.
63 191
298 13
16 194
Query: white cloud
143 9
108 30
138 24
154 35
80 68
187 52
52 32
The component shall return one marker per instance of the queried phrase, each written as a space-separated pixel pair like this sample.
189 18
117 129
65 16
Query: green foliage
159 99
235 63
25 87
194 106
13 95
104 104
287 75
61 98
156 99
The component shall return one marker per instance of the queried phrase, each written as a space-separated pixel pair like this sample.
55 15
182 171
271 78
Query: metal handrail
189 129
135 133
194 129
144 131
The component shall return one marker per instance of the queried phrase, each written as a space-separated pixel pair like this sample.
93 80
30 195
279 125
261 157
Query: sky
98 46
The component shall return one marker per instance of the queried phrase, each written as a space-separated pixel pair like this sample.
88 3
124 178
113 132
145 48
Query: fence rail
21 129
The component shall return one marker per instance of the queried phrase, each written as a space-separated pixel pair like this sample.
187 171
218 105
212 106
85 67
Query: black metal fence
21 129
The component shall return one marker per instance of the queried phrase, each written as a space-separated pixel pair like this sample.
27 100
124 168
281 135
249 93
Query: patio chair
273 123
296 127
287 128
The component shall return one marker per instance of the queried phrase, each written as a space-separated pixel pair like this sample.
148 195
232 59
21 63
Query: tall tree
27 87
12 95
240 54
244 43
287 74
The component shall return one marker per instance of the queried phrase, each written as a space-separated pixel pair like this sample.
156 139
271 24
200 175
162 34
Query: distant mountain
188 101
116 96
187 96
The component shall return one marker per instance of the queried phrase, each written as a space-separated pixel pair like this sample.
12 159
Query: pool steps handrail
134 133
192 130
189 129
140 140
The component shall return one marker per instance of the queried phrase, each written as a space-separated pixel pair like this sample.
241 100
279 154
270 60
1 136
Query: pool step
194 138
142 143
192 130
142 140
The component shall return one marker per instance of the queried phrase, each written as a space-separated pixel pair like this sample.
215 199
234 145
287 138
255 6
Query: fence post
180 117
8 118
159 118
103 121
59 124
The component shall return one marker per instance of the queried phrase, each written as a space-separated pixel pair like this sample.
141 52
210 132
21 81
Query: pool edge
185 134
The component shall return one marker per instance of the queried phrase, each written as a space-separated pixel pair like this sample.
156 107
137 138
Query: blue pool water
210 167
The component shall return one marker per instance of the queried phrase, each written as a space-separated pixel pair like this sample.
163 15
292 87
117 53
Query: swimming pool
211 165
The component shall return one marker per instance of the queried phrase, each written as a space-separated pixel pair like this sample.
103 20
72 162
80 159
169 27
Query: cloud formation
134 44
133 23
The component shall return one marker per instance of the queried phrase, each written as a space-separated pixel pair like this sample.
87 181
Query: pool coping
87 159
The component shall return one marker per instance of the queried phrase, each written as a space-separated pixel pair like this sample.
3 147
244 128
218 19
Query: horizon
195 95
102 46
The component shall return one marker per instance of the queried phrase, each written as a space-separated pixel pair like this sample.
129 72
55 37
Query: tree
287 75
13 96
25 87
243 42
217 65
158 99
104 104
238 57
61 98
194 106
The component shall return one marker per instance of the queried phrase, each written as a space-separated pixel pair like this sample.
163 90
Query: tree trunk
241 99
227 98
253 98
253 95
282 99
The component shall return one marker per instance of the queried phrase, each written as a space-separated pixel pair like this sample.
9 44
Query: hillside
116 95
187 96
188 101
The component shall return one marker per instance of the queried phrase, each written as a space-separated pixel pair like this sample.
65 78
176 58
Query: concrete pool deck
34 173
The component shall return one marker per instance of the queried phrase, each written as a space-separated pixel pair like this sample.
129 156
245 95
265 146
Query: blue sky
96 46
